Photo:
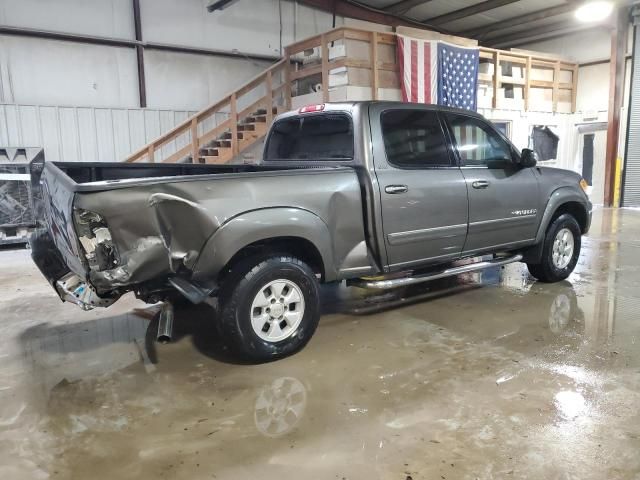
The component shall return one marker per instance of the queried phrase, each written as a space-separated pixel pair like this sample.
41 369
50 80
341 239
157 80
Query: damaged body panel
117 235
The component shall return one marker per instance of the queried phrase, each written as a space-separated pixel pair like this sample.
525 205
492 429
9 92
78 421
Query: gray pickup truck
380 194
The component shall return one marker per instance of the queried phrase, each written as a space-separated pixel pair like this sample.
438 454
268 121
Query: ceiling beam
521 20
539 33
468 11
402 7
369 14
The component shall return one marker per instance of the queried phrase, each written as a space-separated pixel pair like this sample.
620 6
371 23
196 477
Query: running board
449 272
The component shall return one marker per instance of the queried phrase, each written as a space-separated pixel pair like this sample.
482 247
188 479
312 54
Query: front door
504 207
423 192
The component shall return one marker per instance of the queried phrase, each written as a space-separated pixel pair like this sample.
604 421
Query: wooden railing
223 130
340 35
528 63
267 92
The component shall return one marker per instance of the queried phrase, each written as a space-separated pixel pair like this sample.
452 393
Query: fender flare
264 224
559 197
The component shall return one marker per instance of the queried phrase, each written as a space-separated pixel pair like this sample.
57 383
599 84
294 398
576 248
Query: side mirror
528 158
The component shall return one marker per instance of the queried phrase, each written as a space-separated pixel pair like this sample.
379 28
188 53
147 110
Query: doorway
592 153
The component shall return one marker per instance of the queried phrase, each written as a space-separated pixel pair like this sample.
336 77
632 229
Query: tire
251 297
552 270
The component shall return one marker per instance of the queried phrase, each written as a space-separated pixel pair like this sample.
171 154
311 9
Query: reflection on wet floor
486 375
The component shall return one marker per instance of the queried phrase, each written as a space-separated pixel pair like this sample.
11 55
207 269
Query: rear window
312 137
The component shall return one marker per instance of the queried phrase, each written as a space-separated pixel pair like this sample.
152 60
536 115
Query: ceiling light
594 11
220 5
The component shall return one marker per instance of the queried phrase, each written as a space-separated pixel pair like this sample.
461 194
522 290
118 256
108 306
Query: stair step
256 119
227 135
263 111
247 127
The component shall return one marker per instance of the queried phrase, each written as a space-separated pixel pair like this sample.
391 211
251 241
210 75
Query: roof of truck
350 106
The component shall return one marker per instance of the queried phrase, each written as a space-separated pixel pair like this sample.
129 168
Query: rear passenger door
423 192
503 197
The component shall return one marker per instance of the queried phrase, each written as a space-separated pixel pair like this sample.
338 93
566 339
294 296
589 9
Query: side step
449 272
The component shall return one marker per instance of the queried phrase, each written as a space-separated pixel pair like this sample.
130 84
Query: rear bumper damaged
69 286
107 253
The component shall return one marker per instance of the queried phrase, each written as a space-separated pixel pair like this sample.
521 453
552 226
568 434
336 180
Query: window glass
313 137
477 142
414 138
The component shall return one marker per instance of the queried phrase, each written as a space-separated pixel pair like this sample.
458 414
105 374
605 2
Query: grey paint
417 228
492 220
190 220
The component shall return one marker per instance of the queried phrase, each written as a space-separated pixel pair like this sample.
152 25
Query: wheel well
298 247
576 210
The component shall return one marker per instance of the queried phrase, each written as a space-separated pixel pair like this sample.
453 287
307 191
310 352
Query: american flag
438 72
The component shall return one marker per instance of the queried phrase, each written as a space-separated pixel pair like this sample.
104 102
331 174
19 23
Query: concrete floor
484 376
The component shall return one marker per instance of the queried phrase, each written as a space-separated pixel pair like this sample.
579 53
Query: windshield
313 137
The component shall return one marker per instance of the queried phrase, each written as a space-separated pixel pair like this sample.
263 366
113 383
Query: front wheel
560 251
270 307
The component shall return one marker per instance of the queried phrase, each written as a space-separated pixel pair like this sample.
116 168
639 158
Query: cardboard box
485 96
511 93
542 74
486 68
541 99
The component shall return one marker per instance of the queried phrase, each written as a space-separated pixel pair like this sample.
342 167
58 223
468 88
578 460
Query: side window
414 139
478 144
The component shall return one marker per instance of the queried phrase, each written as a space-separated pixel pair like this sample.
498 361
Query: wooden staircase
226 129
250 130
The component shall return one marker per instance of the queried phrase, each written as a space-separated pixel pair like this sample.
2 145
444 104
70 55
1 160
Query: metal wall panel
631 175
75 134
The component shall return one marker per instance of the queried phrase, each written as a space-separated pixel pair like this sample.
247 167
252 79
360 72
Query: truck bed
188 220
102 174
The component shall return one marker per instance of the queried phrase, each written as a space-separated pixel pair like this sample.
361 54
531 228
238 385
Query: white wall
581 47
102 18
86 134
60 73
51 72
80 101
593 88
247 26
179 81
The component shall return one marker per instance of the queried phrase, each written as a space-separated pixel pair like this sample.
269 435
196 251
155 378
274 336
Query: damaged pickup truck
380 194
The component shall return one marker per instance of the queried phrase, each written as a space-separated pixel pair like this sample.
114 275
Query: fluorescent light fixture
595 11
220 5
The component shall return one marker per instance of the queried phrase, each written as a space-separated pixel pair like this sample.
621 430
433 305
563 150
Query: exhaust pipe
165 324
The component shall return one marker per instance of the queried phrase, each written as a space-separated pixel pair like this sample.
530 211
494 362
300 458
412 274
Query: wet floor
484 376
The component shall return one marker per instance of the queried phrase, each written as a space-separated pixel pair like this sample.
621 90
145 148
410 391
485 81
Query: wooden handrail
187 125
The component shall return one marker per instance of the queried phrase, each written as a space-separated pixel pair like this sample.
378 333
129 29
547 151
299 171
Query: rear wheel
270 307
560 251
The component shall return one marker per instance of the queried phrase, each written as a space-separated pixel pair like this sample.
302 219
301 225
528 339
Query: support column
616 86
142 88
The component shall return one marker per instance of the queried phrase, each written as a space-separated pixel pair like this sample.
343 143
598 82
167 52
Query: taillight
312 108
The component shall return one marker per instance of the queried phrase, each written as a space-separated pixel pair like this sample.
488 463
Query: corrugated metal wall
87 134
631 178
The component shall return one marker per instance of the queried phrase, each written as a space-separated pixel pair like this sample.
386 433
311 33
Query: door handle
480 184
393 189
